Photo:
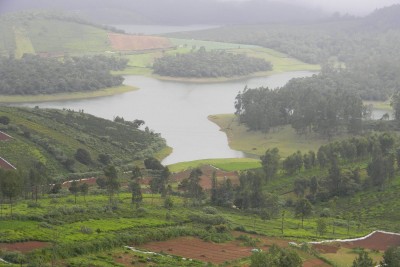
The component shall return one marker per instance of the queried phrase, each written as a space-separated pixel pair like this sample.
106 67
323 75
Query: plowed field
193 248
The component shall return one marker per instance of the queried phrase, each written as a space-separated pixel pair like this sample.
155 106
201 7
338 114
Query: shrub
14 257
32 204
210 210
86 230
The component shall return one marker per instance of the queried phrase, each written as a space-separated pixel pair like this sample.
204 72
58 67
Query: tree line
33 75
307 104
209 64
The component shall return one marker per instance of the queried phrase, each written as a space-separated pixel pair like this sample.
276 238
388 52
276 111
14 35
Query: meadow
256 143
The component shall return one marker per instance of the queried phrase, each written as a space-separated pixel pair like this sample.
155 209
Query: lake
178 110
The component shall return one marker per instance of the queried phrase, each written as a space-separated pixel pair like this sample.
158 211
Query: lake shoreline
16 99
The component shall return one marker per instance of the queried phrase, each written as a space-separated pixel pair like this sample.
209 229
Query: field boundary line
354 239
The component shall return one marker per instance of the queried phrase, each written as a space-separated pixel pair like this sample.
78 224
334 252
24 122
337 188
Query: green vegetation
309 105
345 257
203 64
254 142
366 45
81 226
141 64
53 137
50 34
33 75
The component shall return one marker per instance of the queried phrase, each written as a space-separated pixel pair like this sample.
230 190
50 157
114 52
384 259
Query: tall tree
84 189
37 177
112 183
270 163
74 188
10 186
391 257
303 208
194 189
363 260
136 191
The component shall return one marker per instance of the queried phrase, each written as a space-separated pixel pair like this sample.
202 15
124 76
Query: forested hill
72 142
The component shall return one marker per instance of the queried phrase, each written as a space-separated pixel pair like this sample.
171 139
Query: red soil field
6 165
377 241
4 136
205 179
194 248
125 42
24 247
324 248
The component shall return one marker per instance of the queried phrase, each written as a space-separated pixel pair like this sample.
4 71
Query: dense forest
307 104
209 64
32 75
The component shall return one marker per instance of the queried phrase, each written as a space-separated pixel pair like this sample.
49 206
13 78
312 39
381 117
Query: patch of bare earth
125 42
194 248
377 241
4 136
206 178
24 247
324 248
6 165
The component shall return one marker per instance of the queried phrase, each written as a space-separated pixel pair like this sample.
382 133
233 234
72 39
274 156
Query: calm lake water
178 110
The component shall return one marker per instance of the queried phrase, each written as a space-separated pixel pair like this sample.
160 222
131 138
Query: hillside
58 34
345 38
53 137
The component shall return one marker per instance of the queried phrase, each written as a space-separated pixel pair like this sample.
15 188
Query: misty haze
199 133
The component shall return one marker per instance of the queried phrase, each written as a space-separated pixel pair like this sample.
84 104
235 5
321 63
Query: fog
201 11
353 7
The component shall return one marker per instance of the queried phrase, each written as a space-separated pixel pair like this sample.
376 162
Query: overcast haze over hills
201 11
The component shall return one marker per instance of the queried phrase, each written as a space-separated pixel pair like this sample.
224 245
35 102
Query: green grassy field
380 105
256 143
345 257
58 219
63 36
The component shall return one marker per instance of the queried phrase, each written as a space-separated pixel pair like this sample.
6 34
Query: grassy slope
68 131
257 143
